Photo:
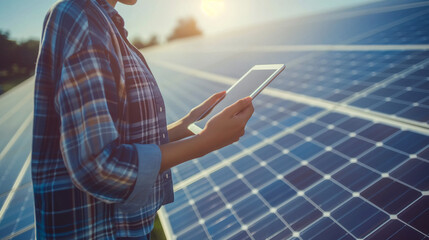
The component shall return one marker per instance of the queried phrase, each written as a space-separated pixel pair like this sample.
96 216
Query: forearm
177 152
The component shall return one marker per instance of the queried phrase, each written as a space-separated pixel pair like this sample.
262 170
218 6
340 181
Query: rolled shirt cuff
149 163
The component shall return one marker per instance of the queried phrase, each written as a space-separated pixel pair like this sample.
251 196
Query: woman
101 147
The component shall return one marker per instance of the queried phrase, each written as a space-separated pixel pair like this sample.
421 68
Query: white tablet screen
244 88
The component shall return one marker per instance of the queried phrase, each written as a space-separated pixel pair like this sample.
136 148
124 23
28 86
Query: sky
23 19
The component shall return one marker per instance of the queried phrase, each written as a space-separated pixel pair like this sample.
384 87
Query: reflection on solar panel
338 147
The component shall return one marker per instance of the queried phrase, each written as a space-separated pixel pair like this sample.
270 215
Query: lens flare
212 8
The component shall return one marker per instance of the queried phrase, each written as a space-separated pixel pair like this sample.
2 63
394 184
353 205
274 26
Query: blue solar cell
208 160
310 111
299 213
420 114
330 137
240 236
337 97
194 233
266 227
289 122
353 124
222 175
288 140
365 102
310 129
383 159
222 224
417 215
250 209
277 193
267 152
394 229
390 195
355 177
259 176
415 173
306 150
285 234
385 92
353 147
245 163
424 154
331 118
249 140
270 131
29 234
283 163
328 162
378 132
403 139
390 107
209 204
185 217
229 150
199 187
328 195
359 217
325 228
303 177
234 190
187 170
412 96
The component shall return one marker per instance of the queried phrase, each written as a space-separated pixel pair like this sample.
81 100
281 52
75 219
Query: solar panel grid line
387 26
24 185
16 108
264 184
21 231
312 48
386 81
350 40
17 134
245 152
365 113
399 7
15 186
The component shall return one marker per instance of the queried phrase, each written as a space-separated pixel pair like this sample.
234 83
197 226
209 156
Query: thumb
204 106
238 106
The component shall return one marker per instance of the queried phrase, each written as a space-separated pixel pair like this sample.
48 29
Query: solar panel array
338 146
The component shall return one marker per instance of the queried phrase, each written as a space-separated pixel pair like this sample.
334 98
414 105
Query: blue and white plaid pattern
99 119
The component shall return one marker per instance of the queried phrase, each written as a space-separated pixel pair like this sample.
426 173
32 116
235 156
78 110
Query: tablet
250 84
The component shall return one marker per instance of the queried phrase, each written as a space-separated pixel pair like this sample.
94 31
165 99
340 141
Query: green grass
6 85
157 232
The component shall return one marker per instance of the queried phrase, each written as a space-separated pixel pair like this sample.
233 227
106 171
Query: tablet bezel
278 69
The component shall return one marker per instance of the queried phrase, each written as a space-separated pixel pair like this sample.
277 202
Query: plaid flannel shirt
99 119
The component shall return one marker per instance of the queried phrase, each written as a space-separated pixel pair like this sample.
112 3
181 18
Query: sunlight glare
212 8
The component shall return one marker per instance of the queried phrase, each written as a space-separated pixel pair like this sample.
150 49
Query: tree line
17 59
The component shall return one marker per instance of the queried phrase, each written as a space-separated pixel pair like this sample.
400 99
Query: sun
212 8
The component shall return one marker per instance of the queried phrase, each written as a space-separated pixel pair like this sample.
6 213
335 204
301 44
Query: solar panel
339 148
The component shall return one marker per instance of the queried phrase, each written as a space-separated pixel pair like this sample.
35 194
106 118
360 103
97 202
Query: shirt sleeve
87 103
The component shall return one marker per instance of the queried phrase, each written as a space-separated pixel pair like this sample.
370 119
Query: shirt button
153 84
166 176
160 109
163 135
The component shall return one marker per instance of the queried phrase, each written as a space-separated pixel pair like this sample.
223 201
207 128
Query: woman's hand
223 129
228 126
179 129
